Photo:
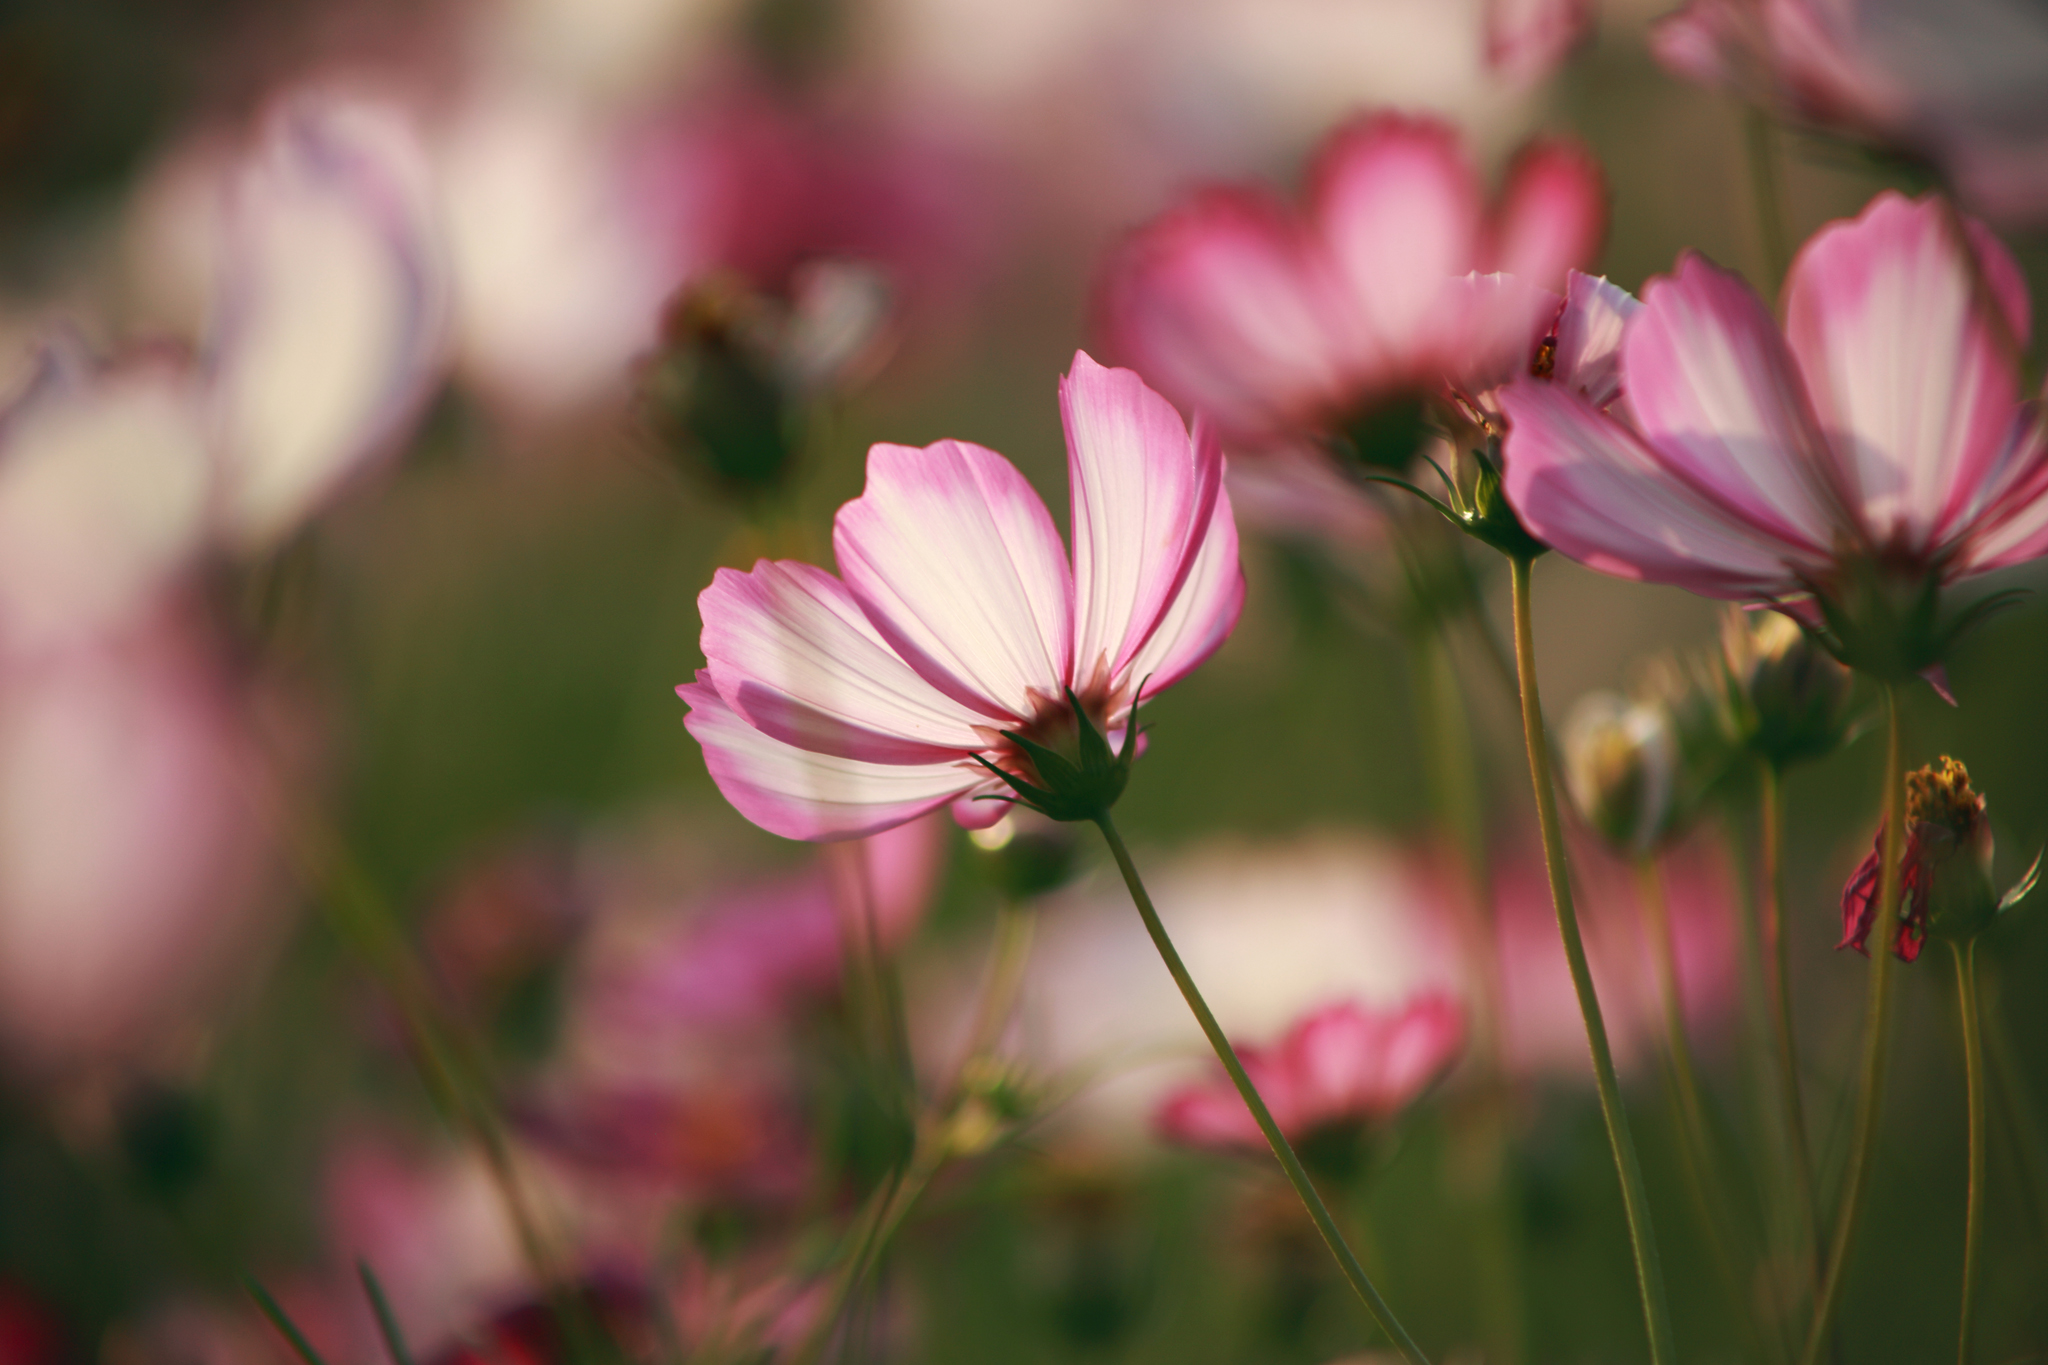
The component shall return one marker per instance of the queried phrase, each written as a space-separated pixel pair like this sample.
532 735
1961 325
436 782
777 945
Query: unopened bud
1952 846
1786 700
1621 767
712 397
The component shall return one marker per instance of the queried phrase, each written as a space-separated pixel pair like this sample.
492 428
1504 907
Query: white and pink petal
800 794
955 560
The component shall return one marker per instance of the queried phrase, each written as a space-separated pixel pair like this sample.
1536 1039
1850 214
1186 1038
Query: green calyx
1079 787
1884 618
1481 511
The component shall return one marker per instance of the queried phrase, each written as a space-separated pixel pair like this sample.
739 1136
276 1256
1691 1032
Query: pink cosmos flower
1882 429
1281 324
832 707
1527 39
1341 1065
1957 85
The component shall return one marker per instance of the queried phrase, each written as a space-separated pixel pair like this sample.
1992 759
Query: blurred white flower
327 332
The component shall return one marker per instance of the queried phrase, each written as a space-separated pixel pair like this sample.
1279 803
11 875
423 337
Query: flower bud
1783 698
713 398
1621 768
1946 890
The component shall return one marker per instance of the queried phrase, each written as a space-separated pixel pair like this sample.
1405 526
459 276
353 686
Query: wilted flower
1784 699
1873 452
1945 888
1335 321
1955 85
1346 1065
833 707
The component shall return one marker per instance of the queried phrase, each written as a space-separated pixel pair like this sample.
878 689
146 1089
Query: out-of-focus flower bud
1621 766
713 400
738 371
1784 699
1946 890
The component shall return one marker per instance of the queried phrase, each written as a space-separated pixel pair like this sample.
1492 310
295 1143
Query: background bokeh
461 674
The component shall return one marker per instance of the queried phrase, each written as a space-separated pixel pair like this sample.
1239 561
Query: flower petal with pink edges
330 330
1713 387
1219 304
955 560
1552 215
789 649
1143 496
1493 325
1398 208
1910 366
1589 332
803 795
1202 614
1588 486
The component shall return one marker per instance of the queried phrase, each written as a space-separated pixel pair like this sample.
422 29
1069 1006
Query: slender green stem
1869 1100
1973 1069
1635 1203
1297 1175
1777 958
1769 203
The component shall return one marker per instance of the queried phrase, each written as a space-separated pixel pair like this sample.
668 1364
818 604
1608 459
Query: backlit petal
1398 207
1588 486
1712 386
1218 305
1910 365
1589 334
1204 611
956 562
790 650
1553 214
804 795
1142 498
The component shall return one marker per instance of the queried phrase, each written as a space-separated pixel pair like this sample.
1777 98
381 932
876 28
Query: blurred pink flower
1956 84
719 1143
1540 1027
1342 1065
838 707
753 954
1281 325
131 847
1527 39
1884 425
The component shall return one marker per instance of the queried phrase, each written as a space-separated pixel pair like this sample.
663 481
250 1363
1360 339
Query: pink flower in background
841 706
1540 1026
1526 40
131 848
1281 324
1884 424
750 956
1954 82
1342 1065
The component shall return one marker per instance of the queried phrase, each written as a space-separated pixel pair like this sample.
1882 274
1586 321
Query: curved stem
1779 992
1876 1012
1297 1175
1635 1203
1973 1069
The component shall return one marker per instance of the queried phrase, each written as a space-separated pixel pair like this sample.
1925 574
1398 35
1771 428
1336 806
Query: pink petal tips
1878 443
836 707
1387 284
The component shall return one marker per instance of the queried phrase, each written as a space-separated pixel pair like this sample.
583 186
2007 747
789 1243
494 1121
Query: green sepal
1080 788
2017 892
